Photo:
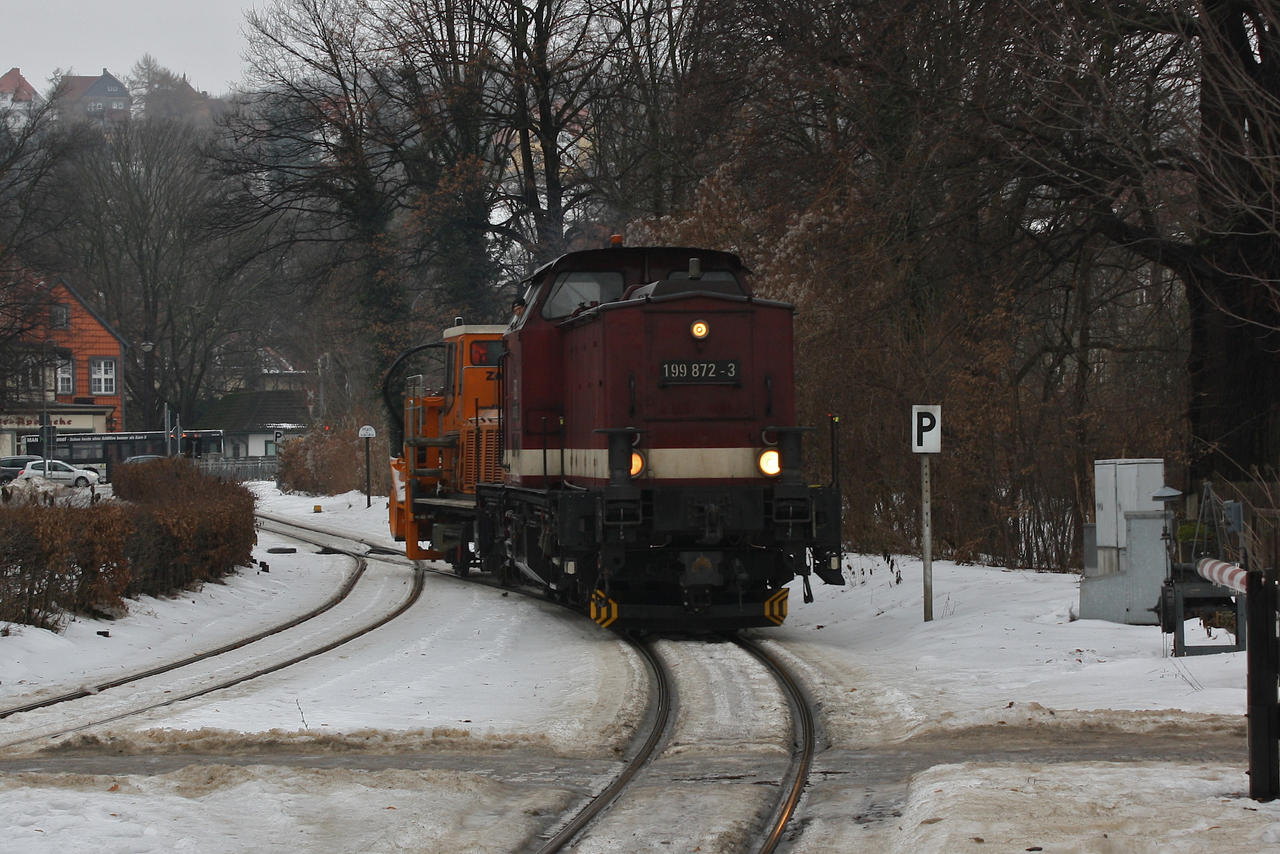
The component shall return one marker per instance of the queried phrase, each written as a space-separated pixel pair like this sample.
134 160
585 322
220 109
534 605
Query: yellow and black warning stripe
603 609
775 607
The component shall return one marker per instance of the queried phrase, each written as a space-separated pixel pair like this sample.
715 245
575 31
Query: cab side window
580 289
450 372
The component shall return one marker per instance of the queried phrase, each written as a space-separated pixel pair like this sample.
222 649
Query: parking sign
926 429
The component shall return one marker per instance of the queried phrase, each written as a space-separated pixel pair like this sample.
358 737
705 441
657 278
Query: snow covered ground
473 670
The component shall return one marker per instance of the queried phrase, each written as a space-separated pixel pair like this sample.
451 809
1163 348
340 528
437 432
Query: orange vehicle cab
451 442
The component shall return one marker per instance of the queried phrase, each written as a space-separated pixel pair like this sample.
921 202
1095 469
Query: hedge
173 527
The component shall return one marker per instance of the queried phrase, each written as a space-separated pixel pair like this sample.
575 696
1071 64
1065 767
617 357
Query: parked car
141 458
59 472
11 467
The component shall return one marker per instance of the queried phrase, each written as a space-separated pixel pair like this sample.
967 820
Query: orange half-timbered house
74 373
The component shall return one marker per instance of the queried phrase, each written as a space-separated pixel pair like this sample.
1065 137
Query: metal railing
245 468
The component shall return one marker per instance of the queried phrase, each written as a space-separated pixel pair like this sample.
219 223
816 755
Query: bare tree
143 239
440 76
368 137
550 51
307 140
650 137
1157 126
33 147
866 184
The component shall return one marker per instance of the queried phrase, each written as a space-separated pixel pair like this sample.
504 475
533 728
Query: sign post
926 439
367 433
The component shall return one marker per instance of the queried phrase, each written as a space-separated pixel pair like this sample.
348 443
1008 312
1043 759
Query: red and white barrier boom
1226 574
1260 594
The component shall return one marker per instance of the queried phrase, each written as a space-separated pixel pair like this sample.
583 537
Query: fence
245 468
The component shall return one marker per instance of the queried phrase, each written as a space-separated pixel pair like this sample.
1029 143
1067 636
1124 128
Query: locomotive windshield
485 353
715 276
580 289
717 281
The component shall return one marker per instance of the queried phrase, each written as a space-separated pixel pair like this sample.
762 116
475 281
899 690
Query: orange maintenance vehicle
451 440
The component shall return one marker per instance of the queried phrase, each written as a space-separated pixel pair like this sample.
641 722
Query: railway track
804 746
160 697
658 757
660 728
319 535
648 767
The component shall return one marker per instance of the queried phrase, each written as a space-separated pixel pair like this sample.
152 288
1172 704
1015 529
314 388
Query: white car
59 472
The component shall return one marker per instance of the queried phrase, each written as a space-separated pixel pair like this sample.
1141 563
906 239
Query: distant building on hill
101 99
17 98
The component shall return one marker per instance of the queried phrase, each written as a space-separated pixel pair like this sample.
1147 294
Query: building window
102 376
60 316
66 377
31 374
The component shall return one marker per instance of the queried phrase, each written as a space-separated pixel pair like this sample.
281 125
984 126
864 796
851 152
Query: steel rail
805 741
663 719
375 547
414 595
662 705
342 593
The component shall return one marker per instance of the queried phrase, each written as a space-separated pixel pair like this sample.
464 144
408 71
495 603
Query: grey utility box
1124 565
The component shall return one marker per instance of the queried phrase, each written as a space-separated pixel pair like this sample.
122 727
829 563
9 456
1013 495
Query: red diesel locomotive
628 441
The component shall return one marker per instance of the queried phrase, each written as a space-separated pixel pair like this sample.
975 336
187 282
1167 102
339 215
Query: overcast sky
199 38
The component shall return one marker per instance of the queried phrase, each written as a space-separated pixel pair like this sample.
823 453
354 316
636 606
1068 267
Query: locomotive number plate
689 371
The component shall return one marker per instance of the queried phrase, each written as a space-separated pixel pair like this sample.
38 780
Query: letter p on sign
926 429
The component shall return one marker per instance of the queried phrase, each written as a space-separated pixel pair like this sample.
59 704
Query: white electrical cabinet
1123 486
1123 575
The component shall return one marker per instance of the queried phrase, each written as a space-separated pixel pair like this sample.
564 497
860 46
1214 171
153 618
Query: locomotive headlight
699 329
637 463
770 462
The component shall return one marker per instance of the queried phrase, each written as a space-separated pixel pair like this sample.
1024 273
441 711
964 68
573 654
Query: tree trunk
1234 372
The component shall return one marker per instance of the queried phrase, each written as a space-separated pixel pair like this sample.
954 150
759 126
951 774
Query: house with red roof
14 89
17 97
70 369
102 98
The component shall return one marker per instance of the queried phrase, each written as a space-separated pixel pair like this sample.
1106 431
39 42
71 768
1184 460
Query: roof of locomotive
474 329
639 264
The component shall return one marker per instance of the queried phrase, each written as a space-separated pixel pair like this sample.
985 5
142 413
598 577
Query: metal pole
1263 712
926 536
368 493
